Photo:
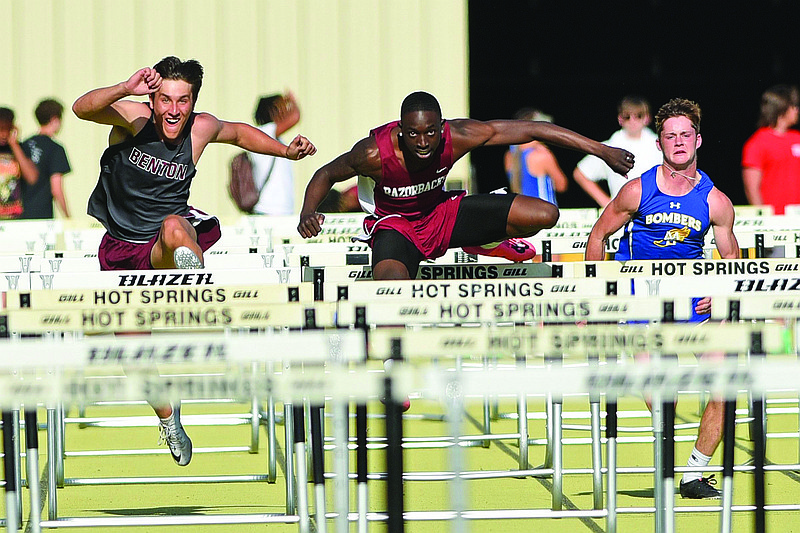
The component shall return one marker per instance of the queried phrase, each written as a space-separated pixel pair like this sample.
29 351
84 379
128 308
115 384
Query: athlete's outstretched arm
105 105
254 140
363 159
469 134
616 214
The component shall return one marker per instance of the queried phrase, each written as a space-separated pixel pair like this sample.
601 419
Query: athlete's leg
709 434
176 232
492 224
529 215
394 256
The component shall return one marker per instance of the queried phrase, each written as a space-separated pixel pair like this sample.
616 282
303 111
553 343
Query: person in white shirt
633 115
273 175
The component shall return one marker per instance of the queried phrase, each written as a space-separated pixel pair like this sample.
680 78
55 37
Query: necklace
672 173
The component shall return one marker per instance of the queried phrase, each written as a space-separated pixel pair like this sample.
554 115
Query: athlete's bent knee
549 214
174 230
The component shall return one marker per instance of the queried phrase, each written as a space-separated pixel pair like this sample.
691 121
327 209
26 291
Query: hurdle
308 346
610 378
142 307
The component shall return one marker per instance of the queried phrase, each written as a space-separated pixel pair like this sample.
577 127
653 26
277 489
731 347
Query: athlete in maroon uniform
141 196
153 149
414 217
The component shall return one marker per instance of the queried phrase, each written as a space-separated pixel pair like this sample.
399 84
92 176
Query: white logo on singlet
158 167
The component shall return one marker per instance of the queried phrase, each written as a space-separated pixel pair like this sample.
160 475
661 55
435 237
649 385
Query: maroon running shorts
116 254
430 233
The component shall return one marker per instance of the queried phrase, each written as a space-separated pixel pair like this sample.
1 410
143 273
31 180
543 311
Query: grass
187 499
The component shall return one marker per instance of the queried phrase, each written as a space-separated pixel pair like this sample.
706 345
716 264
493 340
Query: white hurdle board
570 340
163 278
680 267
81 298
54 370
465 311
536 288
435 271
170 317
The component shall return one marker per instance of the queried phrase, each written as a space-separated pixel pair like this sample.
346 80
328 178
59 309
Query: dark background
575 59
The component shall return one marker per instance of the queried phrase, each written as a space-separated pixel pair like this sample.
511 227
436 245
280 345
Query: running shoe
185 258
516 250
173 434
700 489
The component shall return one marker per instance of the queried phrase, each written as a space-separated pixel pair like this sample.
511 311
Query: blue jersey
532 185
665 226
668 227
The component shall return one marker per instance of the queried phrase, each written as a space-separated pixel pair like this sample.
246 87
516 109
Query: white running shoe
185 258
173 434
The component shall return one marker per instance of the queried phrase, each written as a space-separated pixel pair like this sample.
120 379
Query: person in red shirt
771 156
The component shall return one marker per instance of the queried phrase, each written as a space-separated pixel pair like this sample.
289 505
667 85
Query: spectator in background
51 160
633 115
532 168
273 175
771 156
15 166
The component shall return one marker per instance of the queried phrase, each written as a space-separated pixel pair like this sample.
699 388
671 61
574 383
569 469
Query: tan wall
349 62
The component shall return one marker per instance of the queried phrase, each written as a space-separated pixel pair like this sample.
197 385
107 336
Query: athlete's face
421 132
5 131
172 105
679 142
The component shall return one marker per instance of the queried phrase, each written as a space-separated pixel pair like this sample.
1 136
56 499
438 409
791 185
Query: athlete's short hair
190 71
6 115
420 101
775 102
47 110
678 107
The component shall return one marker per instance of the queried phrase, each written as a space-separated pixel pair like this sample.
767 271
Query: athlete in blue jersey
666 214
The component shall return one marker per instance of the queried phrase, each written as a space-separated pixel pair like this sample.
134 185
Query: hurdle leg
597 453
318 465
12 513
556 445
394 461
52 474
558 464
361 466
32 464
300 468
658 456
611 460
341 430
457 487
668 465
291 478
759 485
255 416
60 443
522 423
548 430
17 461
759 425
272 444
522 428
728 436
487 410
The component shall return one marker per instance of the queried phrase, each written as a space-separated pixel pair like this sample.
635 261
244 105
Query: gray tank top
142 180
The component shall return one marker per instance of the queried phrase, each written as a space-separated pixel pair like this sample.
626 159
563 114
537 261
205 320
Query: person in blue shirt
666 214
